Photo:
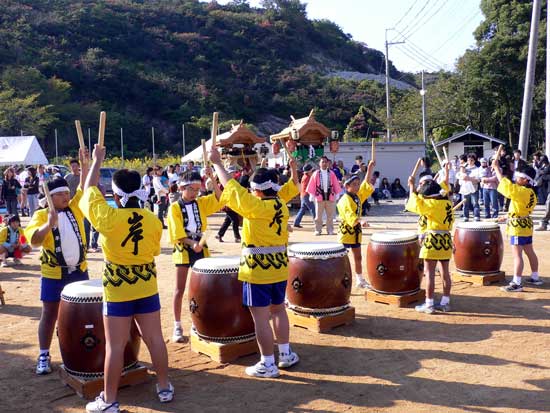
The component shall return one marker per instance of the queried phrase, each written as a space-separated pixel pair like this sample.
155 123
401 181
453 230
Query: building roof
309 131
239 134
467 132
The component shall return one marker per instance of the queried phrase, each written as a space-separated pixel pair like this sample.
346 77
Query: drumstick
101 137
436 153
500 147
48 195
416 167
372 149
214 132
445 153
457 206
204 237
79 134
204 154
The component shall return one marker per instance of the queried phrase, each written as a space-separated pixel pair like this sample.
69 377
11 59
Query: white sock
445 300
517 279
268 360
535 275
177 324
44 351
284 348
430 302
359 277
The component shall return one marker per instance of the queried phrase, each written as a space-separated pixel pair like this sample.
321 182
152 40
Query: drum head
89 291
317 250
394 237
477 226
221 265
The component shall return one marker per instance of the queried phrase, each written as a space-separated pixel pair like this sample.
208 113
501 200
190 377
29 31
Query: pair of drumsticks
100 142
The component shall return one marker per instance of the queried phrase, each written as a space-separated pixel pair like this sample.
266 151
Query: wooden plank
2 300
479 279
321 324
222 353
89 389
395 300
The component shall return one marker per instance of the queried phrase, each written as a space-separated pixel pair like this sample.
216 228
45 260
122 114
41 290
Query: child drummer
264 261
59 231
186 225
12 241
431 201
130 240
520 225
349 208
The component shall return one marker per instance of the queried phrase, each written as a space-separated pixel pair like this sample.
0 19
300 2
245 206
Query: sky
436 32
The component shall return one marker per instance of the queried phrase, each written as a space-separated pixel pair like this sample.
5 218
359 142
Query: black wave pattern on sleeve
264 261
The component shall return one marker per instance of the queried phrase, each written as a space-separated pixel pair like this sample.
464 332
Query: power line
422 24
406 13
417 50
414 18
419 60
469 19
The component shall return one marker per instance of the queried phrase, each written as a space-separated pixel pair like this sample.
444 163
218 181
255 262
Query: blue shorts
352 245
50 289
129 308
516 240
263 295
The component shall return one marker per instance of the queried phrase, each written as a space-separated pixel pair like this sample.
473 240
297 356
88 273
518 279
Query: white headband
265 185
59 189
425 178
141 194
185 183
524 176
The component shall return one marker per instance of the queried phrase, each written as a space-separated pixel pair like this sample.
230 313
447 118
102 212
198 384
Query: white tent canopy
21 150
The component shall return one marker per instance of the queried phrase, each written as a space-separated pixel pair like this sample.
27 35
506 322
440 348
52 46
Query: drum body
393 266
479 247
81 334
319 277
216 301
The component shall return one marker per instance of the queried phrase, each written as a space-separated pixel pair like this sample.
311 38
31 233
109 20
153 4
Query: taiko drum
81 334
319 277
479 248
216 303
393 266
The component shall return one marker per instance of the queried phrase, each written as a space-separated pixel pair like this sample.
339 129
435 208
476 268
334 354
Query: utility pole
423 94
122 147
153 139
388 108
529 81
89 141
183 138
56 153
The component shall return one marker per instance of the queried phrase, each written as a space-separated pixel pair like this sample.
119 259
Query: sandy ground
489 355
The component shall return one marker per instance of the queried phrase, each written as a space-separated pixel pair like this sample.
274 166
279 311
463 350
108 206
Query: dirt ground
489 355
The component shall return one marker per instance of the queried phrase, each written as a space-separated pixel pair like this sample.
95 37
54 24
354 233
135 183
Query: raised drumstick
372 149
457 206
204 154
214 132
101 137
416 167
204 238
445 154
48 195
500 147
436 153
79 134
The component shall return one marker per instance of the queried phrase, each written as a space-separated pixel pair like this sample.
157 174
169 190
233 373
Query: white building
470 141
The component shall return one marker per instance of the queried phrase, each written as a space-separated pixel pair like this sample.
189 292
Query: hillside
163 63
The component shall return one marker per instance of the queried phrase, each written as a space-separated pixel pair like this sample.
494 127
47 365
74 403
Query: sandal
166 395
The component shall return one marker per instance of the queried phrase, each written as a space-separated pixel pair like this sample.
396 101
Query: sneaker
4 264
361 284
532 281
92 250
17 261
445 308
297 226
238 240
317 232
466 219
43 364
425 308
166 395
177 337
512 288
261 370
541 227
100 406
219 238
476 219
330 233
288 360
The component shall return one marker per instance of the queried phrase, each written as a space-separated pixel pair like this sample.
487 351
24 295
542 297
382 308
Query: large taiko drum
479 247
319 278
393 265
216 301
81 334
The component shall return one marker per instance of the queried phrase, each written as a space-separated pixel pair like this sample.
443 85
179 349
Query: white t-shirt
191 224
324 177
69 241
